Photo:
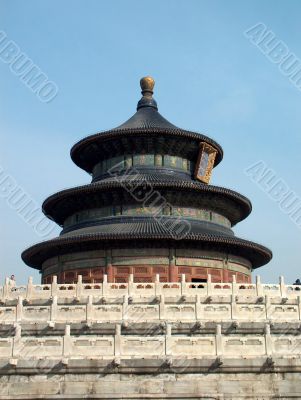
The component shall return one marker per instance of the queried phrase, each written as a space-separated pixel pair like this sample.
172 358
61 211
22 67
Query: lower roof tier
36 255
160 224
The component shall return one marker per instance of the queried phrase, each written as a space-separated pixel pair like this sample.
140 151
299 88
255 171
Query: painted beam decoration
205 162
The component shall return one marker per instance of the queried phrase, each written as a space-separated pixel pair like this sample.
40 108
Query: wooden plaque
205 162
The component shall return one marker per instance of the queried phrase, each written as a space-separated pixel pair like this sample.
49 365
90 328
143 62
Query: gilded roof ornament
147 84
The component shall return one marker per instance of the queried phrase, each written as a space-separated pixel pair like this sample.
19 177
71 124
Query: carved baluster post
67 342
54 288
183 284
218 340
162 307
268 340
125 307
268 306
283 288
168 340
6 289
19 309
158 285
17 341
259 287
117 340
235 285
29 289
53 309
105 286
209 284
89 311
79 286
199 310
234 313
131 287
2 292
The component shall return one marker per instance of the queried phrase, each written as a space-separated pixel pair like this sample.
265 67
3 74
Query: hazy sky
210 77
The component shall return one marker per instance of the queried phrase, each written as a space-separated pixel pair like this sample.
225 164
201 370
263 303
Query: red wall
147 273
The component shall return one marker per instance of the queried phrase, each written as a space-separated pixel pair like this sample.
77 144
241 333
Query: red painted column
110 271
173 273
225 275
173 269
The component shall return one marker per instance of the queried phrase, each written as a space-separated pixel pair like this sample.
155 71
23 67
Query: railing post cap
267 329
118 329
13 362
168 329
67 330
18 330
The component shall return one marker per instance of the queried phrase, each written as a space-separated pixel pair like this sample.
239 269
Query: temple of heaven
148 211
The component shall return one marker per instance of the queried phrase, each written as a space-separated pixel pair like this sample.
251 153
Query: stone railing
134 302
79 289
171 324
169 341
150 308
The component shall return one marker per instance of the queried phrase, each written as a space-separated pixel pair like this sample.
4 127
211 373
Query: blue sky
209 78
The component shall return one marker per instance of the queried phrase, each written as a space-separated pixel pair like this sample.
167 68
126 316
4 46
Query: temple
149 209
147 293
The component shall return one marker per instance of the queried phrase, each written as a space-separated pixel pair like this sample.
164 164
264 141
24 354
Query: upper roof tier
156 135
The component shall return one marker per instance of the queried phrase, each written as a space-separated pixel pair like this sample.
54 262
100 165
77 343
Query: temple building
149 209
147 293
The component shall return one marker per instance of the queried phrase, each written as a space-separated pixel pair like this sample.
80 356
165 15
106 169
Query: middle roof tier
179 196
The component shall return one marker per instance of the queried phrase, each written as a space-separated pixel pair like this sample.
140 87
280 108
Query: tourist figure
297 283
12 282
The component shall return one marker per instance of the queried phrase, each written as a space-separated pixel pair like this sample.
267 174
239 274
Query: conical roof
147 121
112 211
147 115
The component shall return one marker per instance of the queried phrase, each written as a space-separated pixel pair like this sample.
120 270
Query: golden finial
147 85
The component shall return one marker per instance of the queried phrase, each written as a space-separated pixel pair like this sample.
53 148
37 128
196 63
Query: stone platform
150 340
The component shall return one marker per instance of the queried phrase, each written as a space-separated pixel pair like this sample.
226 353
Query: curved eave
94 142
52 206
147 224
37 254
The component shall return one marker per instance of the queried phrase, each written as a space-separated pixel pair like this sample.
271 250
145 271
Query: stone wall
165 385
